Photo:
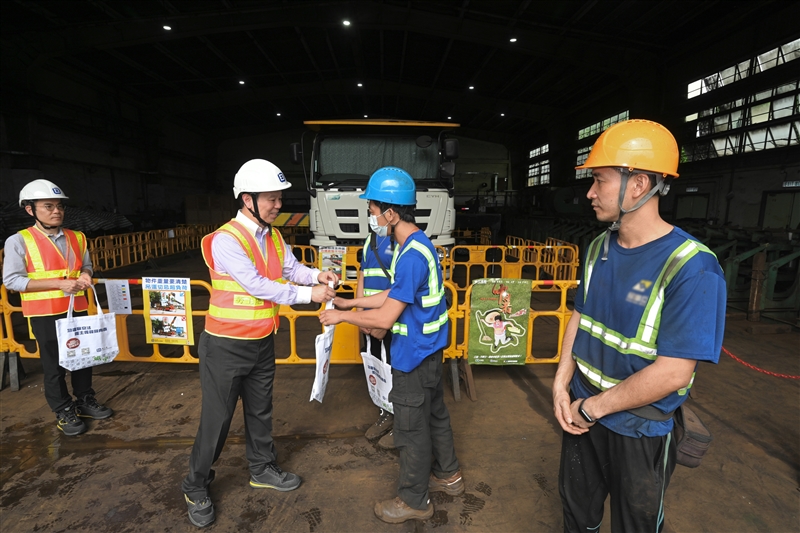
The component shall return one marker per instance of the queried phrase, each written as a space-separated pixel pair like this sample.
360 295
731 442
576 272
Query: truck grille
353 213
349 228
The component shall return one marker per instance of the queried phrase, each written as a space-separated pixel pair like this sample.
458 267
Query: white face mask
380 231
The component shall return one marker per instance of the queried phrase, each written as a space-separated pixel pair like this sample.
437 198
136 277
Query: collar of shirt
257 231
56 235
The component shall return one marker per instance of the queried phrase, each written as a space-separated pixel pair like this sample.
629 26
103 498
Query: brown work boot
396 511
387 441
453 485
382 425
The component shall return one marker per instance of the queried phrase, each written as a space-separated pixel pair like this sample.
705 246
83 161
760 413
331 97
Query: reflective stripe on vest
644 343
375 272
44 261
232 312
435 292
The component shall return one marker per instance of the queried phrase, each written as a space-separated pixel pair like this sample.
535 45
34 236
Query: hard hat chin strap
42 224
661 187
256 214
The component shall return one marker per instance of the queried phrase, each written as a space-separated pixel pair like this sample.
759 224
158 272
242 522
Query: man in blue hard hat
414 309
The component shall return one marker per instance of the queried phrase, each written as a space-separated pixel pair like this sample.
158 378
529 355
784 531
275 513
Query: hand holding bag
85 341
379 377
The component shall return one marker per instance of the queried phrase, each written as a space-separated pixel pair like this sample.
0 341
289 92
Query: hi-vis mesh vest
435 291
644 344
44 260
232 312
376 272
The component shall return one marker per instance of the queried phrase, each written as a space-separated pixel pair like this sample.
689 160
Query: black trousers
635 471
422 432
230 369
55 382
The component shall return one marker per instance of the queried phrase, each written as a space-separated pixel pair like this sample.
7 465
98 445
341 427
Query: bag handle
328 305
383 348
72 304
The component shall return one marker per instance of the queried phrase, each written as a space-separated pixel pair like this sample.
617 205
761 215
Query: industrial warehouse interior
142 113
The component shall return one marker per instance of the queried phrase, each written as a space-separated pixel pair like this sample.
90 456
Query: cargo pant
422 432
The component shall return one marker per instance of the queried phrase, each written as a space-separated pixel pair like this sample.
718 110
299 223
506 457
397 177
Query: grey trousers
229 369
422 432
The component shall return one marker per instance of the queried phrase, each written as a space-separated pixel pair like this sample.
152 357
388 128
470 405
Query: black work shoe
69 423
89 408
274 478
453 485
381 426
387 441
396 511
201 514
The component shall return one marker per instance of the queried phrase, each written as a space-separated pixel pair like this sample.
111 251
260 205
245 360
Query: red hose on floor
760 369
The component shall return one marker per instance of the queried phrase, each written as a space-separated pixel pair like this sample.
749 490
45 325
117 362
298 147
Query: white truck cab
344 155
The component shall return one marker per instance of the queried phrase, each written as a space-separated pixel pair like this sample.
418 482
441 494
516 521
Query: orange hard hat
636 144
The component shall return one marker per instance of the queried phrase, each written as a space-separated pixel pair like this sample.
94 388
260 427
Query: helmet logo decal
56 190
281 177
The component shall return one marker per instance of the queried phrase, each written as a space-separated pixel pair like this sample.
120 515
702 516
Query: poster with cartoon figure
498 327
168 311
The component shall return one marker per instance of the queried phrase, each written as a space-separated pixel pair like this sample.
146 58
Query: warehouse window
601 126
777 56
536 152
761 121
583 155
539 167
539 173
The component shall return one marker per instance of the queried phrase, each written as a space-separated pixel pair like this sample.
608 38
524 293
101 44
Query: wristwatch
583 413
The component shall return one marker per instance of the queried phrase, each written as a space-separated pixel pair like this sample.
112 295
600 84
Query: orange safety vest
232 312
44 260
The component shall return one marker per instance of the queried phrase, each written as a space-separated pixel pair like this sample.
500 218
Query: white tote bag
85 341
379 377
323 346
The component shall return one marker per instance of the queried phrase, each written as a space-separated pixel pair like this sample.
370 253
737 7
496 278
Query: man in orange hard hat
650 306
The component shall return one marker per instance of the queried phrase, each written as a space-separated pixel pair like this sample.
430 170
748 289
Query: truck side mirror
448 169
450 149
297 153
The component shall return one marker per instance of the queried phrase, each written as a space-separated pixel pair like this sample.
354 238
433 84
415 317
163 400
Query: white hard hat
40 190
259 175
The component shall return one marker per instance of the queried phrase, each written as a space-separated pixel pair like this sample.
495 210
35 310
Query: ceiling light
346 22
166 27
449 118
512 40
360 84
502 114
278 114
471 87
241 82
365 116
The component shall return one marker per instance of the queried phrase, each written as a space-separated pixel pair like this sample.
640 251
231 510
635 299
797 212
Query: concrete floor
124 474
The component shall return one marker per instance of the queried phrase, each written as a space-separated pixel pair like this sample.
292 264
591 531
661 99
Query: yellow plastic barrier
481 236
537 262
346 347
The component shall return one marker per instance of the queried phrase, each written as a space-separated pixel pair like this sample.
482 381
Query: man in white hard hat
249 263
46 264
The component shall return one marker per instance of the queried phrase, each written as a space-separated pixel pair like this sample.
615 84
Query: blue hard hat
391 185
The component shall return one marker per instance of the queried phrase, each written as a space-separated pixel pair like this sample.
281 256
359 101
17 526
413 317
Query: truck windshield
350 161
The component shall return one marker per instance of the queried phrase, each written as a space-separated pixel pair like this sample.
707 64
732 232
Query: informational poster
333 258
498 321
119 296
167 310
